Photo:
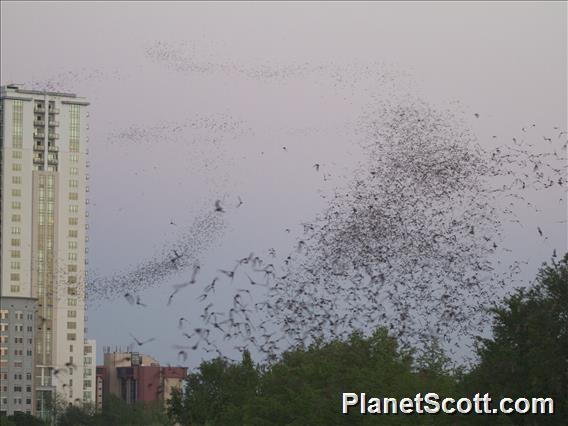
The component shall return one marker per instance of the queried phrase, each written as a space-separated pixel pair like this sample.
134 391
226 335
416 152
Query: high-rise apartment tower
44 144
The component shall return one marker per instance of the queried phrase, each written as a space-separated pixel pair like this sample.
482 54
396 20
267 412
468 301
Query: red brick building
134 377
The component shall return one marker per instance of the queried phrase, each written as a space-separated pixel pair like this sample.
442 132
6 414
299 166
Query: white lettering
349 399
432 404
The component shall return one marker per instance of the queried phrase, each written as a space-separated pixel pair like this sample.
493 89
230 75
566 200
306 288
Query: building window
72 302
73 221
73 196
17 154
14 288
16 192
72 314
16 180
71 268
15 265
16 167
72 256
15 242
16 205
14 276
71 336
71 325
73 171
17 123
15 253
74 121
72 245
16 218
73 208
73 183
16 230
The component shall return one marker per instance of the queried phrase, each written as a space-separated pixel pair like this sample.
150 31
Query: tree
216 394
21 419
528 353
75 416
305 385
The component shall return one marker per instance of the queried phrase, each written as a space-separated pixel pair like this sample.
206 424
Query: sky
194 102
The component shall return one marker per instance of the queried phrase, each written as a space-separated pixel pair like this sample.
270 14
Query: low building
134 377
99 387
17 356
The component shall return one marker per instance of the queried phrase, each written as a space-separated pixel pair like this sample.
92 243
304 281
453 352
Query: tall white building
43 185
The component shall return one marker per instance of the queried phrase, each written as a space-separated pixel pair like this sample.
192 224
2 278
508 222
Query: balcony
53 110
39 146
53 135
39 108
52 147
39 122
38 159
39 134
43 381
53 123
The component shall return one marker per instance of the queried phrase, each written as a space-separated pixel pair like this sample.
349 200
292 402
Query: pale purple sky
293 74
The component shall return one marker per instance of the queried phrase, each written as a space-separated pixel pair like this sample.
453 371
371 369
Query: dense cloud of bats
179 255
411 243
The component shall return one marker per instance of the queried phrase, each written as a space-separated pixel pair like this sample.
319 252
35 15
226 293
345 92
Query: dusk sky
195 102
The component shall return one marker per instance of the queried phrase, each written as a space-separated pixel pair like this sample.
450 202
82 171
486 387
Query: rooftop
15 88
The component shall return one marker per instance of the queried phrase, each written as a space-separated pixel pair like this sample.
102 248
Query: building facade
99 387
17 331
43 173
134 377
90 372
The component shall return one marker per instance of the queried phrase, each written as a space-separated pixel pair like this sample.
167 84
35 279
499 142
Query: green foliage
21 419
116 413
217 393
528 353
306 385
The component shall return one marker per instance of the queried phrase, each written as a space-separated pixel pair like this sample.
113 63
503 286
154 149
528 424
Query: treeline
527 356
